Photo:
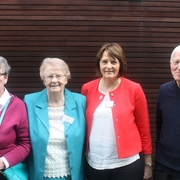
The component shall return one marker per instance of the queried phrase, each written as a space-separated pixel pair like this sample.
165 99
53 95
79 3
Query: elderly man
167 161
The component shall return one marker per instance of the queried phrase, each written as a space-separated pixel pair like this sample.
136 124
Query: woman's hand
147 172
2 165
147 168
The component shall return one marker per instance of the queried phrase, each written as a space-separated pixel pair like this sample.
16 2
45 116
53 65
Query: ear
6 78
66 80
44 82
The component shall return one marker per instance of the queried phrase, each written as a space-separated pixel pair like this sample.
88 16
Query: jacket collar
42 108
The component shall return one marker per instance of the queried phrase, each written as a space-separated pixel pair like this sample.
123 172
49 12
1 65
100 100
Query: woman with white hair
57 126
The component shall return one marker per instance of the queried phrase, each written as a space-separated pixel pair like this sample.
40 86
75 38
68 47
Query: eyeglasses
3 74
58 77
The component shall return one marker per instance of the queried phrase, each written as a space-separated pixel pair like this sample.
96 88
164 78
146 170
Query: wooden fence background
74 30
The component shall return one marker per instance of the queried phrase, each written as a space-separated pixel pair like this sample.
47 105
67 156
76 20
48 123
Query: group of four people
101 134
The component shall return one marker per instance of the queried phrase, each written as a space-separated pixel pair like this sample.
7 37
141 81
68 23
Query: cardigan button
116 119
118 136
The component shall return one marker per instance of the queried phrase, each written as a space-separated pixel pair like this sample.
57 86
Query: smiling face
109 67
54 78
175 67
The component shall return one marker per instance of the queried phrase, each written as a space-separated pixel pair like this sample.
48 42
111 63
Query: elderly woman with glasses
57 126
14 134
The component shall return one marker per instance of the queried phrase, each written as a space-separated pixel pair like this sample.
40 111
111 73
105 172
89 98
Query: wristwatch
149 164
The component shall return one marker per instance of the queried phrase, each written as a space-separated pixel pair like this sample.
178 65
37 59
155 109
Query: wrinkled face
54 79
3 81
175 67
109 67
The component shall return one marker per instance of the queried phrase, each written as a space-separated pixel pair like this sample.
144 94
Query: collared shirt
3 99
175 84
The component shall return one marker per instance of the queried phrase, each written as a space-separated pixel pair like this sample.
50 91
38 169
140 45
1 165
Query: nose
179 65
109 65
54 79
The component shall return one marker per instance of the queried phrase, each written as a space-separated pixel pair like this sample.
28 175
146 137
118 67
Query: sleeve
142 120
158 120
22 143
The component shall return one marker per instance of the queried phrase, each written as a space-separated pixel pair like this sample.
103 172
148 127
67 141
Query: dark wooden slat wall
75 30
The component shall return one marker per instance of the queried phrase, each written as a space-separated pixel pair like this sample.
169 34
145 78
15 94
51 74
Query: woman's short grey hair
176 49
4 65
56 62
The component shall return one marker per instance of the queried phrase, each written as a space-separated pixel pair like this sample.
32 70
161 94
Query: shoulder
167 84
16 101
90 87
133 89
91 83
129 83
167 87
74 95
78 96
35 96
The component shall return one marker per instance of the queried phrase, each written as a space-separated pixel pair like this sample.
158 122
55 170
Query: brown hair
116 52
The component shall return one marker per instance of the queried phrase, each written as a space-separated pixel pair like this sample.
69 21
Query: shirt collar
175 84
3 99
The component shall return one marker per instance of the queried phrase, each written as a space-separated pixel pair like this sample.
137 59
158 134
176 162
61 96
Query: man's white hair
176 49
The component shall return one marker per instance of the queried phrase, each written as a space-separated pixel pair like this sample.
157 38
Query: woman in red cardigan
118 144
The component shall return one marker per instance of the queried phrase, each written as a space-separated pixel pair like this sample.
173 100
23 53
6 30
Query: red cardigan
130 116
14 132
